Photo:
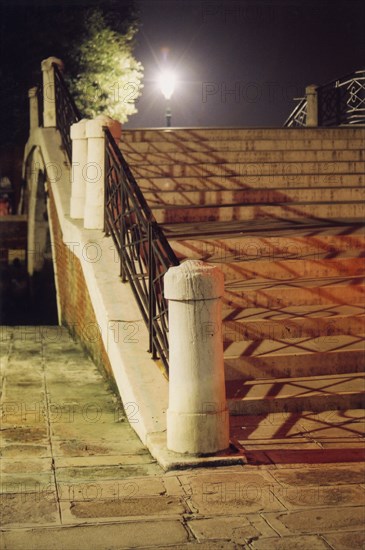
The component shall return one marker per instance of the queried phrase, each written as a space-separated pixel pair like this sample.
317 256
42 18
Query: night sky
240 63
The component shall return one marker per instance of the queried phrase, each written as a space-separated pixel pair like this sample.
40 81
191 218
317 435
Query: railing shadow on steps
341 101
144 252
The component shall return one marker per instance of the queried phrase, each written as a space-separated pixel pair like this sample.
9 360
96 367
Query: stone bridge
278 212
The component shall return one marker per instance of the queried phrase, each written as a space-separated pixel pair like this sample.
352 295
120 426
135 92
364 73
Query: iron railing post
151 292
123 274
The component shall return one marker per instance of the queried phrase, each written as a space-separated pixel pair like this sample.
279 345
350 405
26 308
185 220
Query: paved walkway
74 476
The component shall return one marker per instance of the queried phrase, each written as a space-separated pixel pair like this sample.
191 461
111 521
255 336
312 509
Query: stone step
316 393
247 212
226 196
252 176
290 270
257 324
306 356
332 242
266 294
217 145
226 157
207 134
223 169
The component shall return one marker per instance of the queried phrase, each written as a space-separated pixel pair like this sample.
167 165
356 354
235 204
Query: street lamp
167 81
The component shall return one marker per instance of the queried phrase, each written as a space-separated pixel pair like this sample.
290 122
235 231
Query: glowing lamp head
167 81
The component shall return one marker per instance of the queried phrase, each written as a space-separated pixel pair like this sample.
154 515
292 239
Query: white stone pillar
49 96
78 169
33 108
197 416
94 169
312 105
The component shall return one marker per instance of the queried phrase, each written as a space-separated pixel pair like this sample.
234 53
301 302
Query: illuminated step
294 210
291 270
327 243
315 393
225 169
208 134
217 145
243 196
252 176
292 322
266 294
227 157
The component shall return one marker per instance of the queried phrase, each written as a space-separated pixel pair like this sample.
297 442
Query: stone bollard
197 416
33 108
79 169
49 93
312 105
94 168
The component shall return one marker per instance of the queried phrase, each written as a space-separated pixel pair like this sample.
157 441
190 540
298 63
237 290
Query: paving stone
317 520
352 540
119 471
210 545
81 445
24 508
224 494
344 453
25 434
110 509
11 466
116 489
172 485
279 445
28 481
290 543
238 529
333 475
142 457
19 451
317 495
23 412
100 537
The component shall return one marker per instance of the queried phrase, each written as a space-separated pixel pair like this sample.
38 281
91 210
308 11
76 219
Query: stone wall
76 308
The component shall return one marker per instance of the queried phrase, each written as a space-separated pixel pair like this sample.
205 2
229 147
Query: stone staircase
281 211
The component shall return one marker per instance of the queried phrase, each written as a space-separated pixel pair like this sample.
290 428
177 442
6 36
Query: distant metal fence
340 102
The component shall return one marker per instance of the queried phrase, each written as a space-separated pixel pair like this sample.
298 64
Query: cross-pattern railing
66 111
341 101
145 255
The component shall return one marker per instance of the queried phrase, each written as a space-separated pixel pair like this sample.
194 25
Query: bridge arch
34 203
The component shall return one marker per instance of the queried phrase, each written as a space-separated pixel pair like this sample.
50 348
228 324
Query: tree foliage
90 36
109 78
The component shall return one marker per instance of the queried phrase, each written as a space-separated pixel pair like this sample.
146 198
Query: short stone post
93 171
49 92
197 416
33 108
79 169
312 105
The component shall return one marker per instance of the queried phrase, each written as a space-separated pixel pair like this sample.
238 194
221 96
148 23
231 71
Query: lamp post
167 81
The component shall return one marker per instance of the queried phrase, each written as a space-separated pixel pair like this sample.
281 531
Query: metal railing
66 111
340 102
144 252
298 117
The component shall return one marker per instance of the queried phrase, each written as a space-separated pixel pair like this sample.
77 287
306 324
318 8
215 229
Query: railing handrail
343 79
144 251
67 112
